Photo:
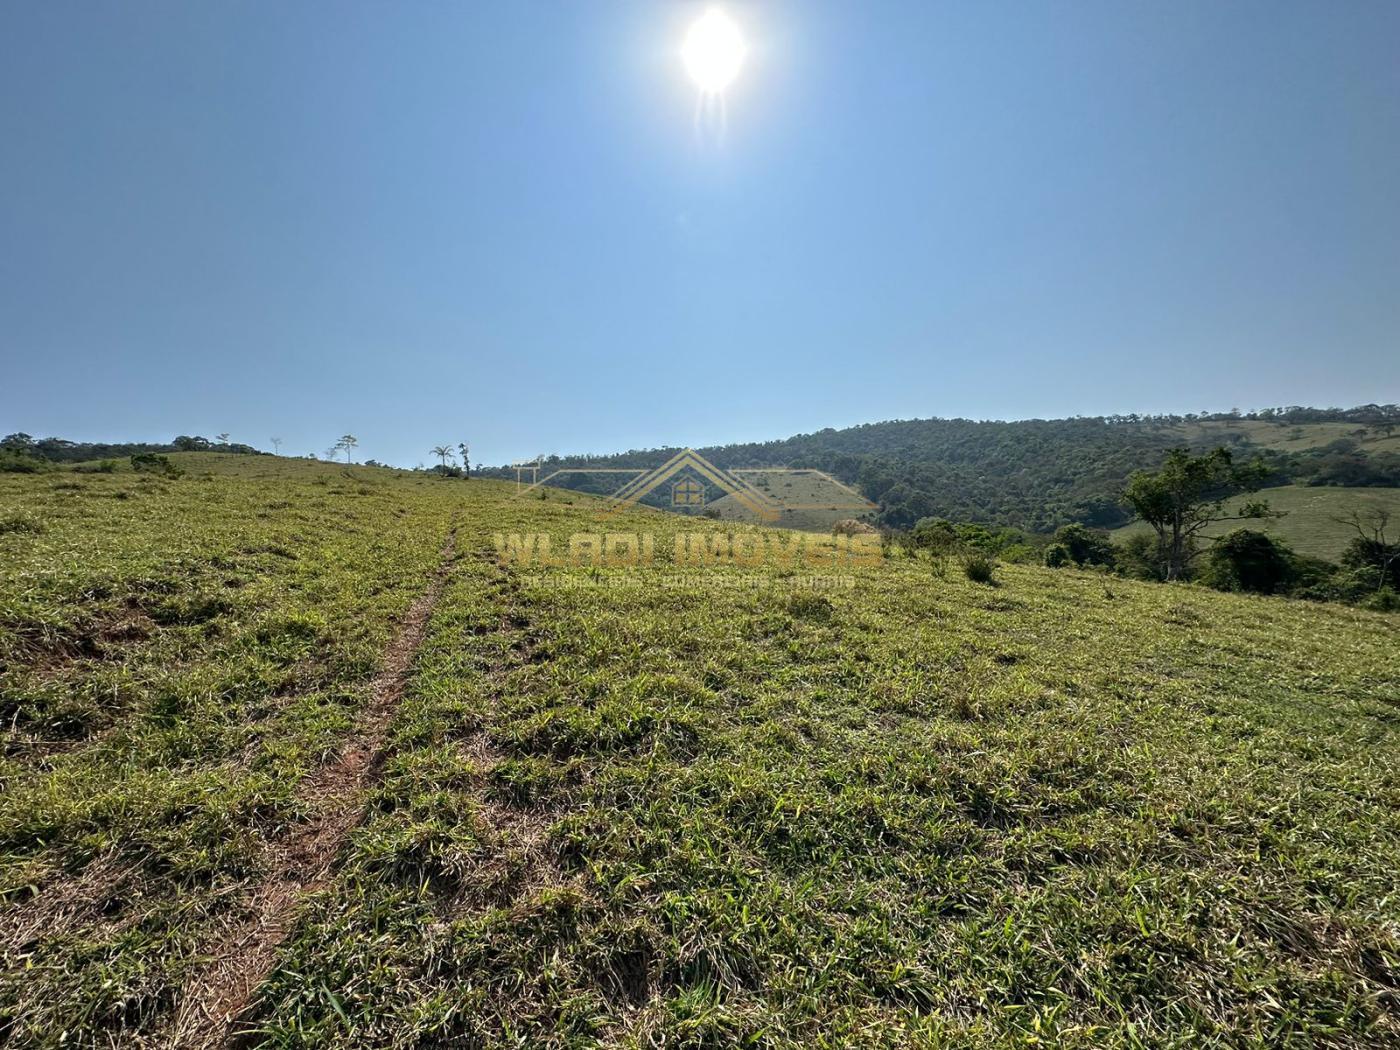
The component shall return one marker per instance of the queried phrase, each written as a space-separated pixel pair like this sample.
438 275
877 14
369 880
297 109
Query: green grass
1063 810
1309 524
174 657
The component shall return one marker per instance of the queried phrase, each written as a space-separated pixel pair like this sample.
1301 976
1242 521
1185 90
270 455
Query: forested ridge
1038 474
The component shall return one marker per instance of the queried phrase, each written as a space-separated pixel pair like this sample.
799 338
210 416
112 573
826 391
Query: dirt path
219 994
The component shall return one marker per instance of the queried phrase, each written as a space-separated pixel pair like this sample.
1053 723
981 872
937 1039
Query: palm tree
442 451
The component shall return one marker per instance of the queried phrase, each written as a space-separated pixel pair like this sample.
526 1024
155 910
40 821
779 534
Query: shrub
155 464
1376 556
1141 557
977 537
934 534
1085 546
1313 577
1057 556
979 568
18 463
1384 600
1247 560
104 466
897 543
1353 586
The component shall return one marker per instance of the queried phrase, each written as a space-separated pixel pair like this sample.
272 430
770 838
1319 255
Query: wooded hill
1038 474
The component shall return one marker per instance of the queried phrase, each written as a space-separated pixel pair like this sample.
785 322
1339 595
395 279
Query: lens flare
713 52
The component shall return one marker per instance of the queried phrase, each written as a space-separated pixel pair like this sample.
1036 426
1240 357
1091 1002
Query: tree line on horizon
61 450
1030 474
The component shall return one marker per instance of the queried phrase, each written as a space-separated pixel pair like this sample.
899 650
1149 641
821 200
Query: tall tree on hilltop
1187 494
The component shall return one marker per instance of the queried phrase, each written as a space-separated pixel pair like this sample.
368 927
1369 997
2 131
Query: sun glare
713 52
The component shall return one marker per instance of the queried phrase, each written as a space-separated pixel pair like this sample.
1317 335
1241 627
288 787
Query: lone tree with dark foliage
1187 494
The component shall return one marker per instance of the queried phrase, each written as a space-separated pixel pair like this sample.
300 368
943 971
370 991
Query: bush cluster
1245 560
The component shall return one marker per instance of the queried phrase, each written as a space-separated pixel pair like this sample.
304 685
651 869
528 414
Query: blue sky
429 222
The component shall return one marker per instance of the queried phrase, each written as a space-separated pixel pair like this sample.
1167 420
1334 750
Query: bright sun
713 52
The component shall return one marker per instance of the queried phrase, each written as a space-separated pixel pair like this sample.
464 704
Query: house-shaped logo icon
691 472
695 483
687 492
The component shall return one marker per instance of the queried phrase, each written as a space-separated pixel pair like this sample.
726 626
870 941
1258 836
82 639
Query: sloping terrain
630 806
1309 524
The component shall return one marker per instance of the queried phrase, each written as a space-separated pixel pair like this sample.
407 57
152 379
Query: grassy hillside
291 750
1309 525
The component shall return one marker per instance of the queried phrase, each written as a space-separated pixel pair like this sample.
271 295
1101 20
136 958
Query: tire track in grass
218 995
55 902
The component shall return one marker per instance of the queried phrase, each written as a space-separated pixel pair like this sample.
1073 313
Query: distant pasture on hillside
1309 525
